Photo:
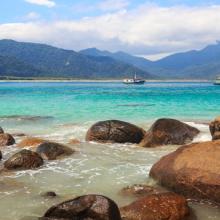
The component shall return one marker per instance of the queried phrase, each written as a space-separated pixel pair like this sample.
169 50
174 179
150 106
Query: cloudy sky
149 28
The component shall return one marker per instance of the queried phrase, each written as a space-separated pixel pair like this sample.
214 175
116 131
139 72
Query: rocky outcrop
140 190
23 160
53 151
169 132
31 142
114 131
91 207
192 170
214 128
6 140
165 206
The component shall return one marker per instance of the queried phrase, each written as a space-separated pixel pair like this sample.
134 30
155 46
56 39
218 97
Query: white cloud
32 16
102 6
48 3
147 30
113 5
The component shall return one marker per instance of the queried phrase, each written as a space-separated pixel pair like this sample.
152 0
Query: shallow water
95 168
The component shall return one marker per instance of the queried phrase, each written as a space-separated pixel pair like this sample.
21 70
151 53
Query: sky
152 29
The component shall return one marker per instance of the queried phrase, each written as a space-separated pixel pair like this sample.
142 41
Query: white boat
217 80
135 80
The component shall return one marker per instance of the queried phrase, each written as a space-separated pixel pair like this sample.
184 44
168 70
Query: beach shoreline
105 81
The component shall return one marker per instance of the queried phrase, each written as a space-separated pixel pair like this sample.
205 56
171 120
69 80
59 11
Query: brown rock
74 141
165 206
114 131
214 128
140 190
169 132
52 151
192 170
24 159
89 207
49 194
31 142
6 140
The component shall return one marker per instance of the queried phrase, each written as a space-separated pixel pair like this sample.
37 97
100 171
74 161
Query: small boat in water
135 80
217 81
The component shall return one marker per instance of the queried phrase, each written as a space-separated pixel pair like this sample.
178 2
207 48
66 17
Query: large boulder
89 207
167 131
164 206
192 170
31 142
23 160
53 151
114 131
214 128
6 140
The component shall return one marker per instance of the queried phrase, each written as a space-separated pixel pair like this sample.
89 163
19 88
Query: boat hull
135 83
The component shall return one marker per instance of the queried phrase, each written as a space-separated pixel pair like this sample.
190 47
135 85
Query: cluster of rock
192 171
163 132
97 207
28 159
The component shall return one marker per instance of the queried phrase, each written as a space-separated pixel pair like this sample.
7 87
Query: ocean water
62 111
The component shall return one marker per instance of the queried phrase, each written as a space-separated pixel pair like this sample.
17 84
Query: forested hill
31 60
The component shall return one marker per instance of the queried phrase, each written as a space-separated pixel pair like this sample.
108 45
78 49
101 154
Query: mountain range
195 64
18 59
38 60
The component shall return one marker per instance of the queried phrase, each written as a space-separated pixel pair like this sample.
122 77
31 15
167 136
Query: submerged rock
192 170
169 132
6 140
164 206
26 117
10 184
52 151
214 128
24 159
88 207
140 190
49 194
31 142
19 134
115 131
74 141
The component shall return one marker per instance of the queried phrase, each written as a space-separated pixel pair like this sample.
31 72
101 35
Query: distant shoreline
107 80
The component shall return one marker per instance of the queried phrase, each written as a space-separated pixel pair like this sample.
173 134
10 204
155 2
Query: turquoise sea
63 111
80 102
